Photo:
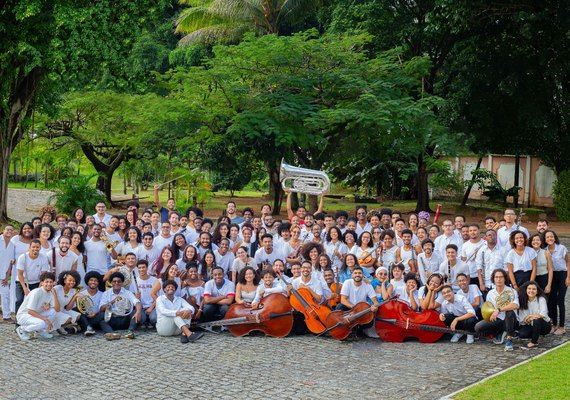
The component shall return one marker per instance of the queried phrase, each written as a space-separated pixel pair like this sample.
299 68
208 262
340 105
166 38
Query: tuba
303 180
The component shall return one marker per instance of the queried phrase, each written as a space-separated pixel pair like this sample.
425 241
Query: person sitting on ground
174 315
457 313
219 294
533 314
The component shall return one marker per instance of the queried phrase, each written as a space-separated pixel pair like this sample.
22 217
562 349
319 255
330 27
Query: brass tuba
303 180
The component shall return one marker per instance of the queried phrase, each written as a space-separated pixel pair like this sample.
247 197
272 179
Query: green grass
544 378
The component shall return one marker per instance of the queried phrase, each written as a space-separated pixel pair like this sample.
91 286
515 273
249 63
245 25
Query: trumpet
303 180
110 246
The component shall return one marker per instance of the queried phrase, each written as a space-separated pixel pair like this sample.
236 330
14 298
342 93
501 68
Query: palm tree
226 21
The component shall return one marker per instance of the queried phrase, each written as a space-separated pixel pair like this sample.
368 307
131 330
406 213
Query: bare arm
156 199
290 213
344 301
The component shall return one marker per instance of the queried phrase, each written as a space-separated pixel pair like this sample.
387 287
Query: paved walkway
24 204
226 367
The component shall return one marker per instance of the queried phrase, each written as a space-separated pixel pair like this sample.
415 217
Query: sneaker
184 339
8 321
129 335
112 336
89 331
455 338
22 333
195 336
530 346
62 331
509 345
500 338
470 339
45 334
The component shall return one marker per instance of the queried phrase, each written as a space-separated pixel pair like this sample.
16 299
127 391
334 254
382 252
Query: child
268 287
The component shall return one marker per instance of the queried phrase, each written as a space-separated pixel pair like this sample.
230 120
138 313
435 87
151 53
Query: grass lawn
547 377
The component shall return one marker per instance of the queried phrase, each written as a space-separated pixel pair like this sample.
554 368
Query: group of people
158 268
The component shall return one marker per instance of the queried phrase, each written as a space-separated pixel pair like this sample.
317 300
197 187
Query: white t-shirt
469 250
330 249
227 289
149 254
357 294
261 256
35 301
559 257
106 218
196 292
109 295
64 263
125 247
459 268
63 298
422 294
224 261
32 268
98 258
428 266
504 234
160 242
522 262
507 296
488 260
442 241
472 294
145 288
315 285
96 298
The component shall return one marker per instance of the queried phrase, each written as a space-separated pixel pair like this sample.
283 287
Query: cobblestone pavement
225 367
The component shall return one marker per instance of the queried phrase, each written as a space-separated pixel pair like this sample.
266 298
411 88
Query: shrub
561 196
78 191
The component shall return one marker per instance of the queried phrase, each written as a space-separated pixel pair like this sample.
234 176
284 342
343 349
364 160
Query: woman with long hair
248 281
520 260
533 314
78 248
165 259
365 252
560 281
544 273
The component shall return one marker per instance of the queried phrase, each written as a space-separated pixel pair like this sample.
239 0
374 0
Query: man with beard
306 230
30 266
231 213
60 258
91 320
266 255
98 258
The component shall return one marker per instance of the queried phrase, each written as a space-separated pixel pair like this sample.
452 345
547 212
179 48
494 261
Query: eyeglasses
116 281
361 213
382 274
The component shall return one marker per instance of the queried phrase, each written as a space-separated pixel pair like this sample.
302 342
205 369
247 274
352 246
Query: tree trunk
5 165
313 203
470 186
422 203
104 183
517 166
275 189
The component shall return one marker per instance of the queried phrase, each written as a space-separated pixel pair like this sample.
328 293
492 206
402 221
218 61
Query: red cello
273 317
341 323
396 321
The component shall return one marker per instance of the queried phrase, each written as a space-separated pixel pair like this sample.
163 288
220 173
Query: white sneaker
22 333
45 334
470 339
456 337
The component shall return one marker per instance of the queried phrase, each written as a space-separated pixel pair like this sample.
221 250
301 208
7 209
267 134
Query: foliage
487 182
444 181
78 191
561 196
223 21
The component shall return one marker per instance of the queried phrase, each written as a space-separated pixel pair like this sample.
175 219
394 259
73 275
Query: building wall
535 179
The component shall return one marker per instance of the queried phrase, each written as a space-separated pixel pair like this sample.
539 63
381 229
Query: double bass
315 314
273 317
396 322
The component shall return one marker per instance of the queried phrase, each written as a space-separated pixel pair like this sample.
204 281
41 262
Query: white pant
5 300
170 326
71 313
29 323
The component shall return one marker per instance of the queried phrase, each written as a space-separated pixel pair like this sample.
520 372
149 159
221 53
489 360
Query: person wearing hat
381 285
93 318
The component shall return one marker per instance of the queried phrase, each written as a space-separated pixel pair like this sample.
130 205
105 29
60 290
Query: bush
444 182
561 196
75 192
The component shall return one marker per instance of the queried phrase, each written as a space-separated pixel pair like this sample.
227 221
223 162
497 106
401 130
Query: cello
273 317
341 323
396 322
315 314
335 287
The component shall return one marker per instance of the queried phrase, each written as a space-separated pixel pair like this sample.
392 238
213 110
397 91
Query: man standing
448 237
488 259
101 214
219 294
98 258
170 205
541 226
30 265
174 315
60 258
231 213
504 233
6 262
469 252
165 238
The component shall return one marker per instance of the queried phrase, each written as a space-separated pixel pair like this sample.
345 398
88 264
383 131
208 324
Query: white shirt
149 254
168 309
226 261
124 248
330 249
459 268
427 266
488 260
262 257
227 289
32 268
35 301
504 234
357 294
106 218
96 298
109 295
145 288
314 284
522 262
62 263
276 287
361 229
161 242
472 294
63 298
507 296
98 258
469 251
401 290
6 256
459 307
537 306
442 241
422 294
559 257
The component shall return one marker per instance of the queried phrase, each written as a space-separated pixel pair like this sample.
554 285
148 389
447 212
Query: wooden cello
341 323
335 288
315 314
273 317
396 322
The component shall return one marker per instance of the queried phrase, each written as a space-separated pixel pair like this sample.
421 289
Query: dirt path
23 204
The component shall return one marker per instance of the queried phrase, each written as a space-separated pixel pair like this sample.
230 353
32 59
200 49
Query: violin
273 317
315 314
335 288
341 323
396 322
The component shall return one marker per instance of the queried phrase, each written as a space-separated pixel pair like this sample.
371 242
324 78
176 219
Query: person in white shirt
409 292
429 296
101 214
174 315
6 261
471 293
91 320
560 281
265 256
269 286
307 281
356 290
502 322
60 258
149 252
98 258
165 238
362 225
224 257
40 310
109 299
30 265
504 233
469 252
521 260
451 266
145 283
428 261
488 259
448 237
219 294
457 313
533 314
